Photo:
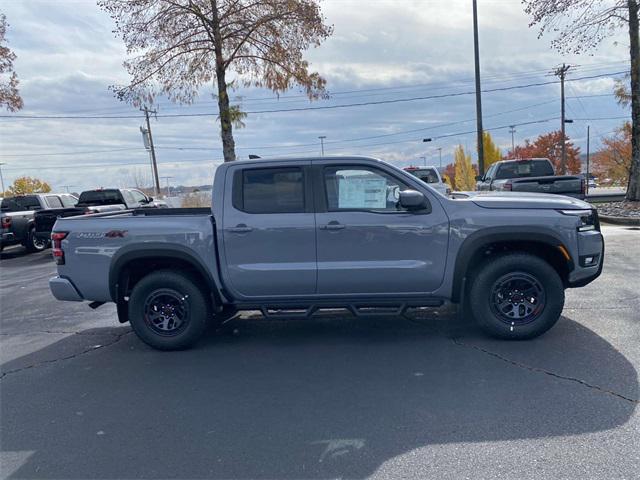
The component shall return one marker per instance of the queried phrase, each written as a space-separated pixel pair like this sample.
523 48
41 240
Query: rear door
268 228
367 243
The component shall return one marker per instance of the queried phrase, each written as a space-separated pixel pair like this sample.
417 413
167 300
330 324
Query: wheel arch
129 265
481 244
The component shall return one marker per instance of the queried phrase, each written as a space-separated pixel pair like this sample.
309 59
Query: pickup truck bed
530 175
290 237
569 185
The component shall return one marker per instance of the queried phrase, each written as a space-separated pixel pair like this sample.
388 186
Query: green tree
179 46
465 174
492 153
26 185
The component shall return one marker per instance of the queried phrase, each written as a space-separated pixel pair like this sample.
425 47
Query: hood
526 200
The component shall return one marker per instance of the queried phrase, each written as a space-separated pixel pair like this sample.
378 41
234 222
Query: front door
269 231
367 243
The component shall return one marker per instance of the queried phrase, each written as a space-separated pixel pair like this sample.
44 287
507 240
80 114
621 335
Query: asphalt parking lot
429 397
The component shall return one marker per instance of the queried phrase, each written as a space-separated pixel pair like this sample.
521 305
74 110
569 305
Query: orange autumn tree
613 160
549 146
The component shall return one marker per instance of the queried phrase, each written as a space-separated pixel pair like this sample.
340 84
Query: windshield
427 175
524 168
100 197
20 204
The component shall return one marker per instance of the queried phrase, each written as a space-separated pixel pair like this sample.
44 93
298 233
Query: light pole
424 161
440 155
322 137
1 177
67 187
168 187
512 131
587 175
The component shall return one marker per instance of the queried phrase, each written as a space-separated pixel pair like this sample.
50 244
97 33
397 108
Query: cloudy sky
380 51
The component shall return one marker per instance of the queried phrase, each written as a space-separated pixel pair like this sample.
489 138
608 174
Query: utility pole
561 72
587 175
168 187
476 48
322 137
153 150
2 178
512 130
440 155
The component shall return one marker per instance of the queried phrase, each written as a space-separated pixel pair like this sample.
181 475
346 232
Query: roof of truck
306 159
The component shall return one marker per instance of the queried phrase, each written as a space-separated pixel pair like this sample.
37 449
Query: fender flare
157 250
482 238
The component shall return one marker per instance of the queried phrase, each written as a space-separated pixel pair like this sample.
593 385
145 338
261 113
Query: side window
53 201
69 200
138 196
128 198
490 173
361 188
269 190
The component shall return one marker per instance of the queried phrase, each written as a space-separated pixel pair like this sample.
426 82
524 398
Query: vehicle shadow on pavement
303 399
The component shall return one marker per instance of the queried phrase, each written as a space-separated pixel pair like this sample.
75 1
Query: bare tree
580 25
140 179
9 94
177 46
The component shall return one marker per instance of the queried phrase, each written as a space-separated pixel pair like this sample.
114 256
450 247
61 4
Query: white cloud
67 57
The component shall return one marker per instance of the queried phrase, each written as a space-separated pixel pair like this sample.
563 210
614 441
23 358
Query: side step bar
281 312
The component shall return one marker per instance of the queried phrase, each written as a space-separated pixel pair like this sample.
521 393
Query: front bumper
590 244
63 289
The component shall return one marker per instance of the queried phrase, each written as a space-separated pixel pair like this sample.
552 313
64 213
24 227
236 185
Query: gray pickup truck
530 175
17 225
290 237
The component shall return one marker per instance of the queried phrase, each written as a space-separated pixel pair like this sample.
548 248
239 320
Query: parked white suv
431 176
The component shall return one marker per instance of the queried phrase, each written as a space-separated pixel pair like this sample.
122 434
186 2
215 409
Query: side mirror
478 178
149 199
413 200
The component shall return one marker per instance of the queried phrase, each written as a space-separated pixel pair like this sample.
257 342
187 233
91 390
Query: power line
68 153
325 107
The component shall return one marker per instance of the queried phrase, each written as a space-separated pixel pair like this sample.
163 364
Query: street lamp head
427 139
567 120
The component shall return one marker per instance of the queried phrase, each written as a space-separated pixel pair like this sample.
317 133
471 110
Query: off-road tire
182 293
483 292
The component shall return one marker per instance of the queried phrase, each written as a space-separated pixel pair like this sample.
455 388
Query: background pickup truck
17 224
294 236
91 201
530 175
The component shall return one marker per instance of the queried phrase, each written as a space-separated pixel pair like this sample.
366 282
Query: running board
378 309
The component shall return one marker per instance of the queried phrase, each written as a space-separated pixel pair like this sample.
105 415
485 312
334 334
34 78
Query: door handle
332 226
240 228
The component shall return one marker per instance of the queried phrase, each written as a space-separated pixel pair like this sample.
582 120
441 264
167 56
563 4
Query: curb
634 221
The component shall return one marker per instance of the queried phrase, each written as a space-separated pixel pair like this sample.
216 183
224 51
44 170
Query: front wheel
168 311
516 296
34 243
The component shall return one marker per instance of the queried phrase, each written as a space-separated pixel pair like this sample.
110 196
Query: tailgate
558 185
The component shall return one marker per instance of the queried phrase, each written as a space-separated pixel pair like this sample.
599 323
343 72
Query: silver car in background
430 175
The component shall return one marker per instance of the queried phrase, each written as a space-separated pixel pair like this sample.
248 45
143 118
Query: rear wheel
35 244
516 296
168 311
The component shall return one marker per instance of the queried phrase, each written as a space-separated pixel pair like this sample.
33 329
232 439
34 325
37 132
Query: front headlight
588 218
